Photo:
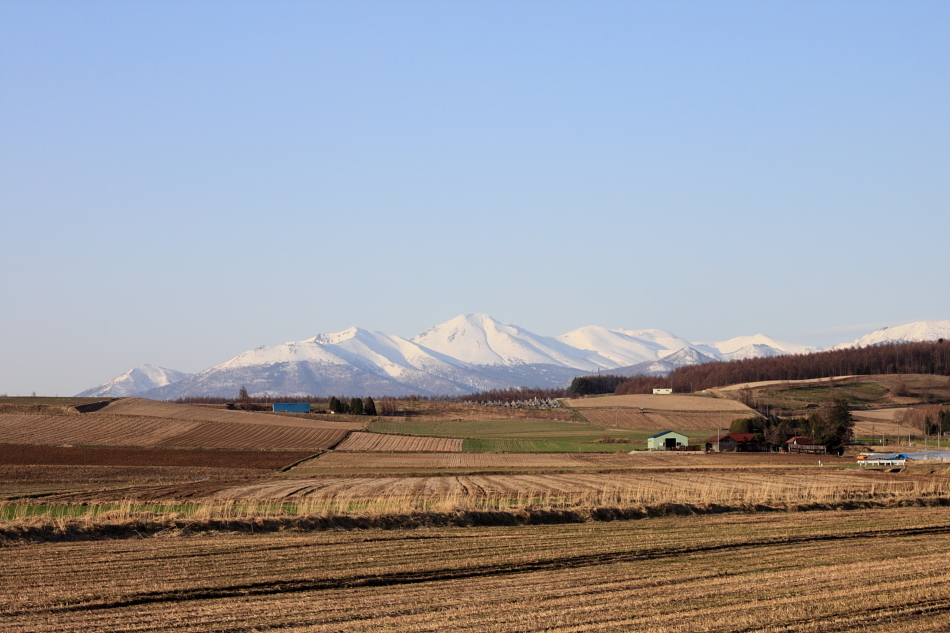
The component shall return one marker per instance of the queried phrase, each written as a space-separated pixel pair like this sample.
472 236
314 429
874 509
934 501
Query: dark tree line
887 358
831 426
353 406
510 395
598 383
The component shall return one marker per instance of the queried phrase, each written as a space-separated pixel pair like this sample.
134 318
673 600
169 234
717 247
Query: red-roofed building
732 442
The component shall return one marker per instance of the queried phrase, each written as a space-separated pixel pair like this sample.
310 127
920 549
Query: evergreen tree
833 426
369 407
745 425
243 395
356 406
335 405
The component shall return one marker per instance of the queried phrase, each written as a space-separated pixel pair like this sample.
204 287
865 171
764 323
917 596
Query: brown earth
78 456
172 411
671 402
665 421
338 462
381 442
875 571
255 436
89 429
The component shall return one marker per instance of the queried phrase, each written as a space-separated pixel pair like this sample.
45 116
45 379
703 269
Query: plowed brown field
462 460
89 429
251 436
623 489
879 571
372 442
330 463
58 455
170 410
672 402
663 421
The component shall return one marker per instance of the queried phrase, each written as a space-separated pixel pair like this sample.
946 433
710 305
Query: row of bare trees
887 358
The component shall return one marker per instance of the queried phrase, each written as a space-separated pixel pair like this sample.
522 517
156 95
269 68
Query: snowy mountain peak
916 332
135 381
479 339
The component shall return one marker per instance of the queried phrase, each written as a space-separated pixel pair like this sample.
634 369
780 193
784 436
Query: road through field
820 572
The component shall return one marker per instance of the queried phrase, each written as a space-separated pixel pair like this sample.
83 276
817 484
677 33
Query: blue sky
182 181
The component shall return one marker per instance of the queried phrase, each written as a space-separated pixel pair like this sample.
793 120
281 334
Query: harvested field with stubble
135 422
662 413
105 457
90 429
171 411
671 402
254 436
381 462
878 571
339 462
572 490
381 442
704 423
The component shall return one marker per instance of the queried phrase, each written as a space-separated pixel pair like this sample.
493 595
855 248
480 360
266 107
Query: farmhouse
802 444
666 441
731 443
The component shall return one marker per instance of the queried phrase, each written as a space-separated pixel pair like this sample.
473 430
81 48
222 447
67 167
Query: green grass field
852 392
529 436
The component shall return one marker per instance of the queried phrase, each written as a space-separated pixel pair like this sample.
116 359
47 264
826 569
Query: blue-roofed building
666 441
292 407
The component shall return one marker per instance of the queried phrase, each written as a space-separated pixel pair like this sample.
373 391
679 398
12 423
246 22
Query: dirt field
254 436
411 462
372 442
78 456
819 572
672 402
172 411
89 429
620 489
660 421
126 430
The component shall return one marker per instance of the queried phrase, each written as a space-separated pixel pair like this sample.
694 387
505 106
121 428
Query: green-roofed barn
666 441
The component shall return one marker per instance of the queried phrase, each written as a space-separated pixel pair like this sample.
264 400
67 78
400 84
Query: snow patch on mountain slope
916 332
663 366
479 339
135 381
621 348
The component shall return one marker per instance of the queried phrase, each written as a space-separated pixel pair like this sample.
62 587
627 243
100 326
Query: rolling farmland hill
135 422
697 415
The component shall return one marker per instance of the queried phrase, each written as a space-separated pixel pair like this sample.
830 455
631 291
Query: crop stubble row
802 572
381 442
628 488
125 430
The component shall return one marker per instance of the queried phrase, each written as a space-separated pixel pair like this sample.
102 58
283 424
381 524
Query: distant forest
886 358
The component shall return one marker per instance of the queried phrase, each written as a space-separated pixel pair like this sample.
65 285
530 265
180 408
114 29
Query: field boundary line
408 578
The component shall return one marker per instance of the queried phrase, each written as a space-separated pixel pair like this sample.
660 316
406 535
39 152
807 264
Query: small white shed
662 392
666 441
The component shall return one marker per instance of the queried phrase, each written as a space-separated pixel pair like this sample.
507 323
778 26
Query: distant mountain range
469 353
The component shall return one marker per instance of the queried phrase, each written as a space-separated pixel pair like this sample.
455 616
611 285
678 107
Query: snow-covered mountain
469 353
755 346
663 366
134 381
479 339
916 332
622 348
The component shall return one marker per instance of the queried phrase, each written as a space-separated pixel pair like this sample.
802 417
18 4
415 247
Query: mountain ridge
471 352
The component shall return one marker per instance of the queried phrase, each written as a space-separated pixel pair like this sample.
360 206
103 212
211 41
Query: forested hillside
889 358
